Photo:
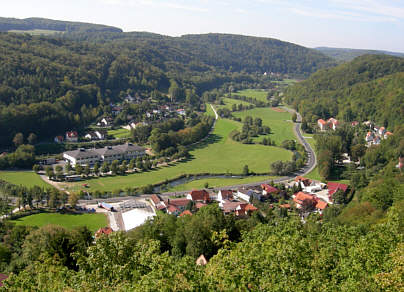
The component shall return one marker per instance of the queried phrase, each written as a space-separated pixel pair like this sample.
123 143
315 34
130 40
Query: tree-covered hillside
346 55
370 87
34 23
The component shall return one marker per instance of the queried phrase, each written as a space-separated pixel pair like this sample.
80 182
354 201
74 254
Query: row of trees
251 128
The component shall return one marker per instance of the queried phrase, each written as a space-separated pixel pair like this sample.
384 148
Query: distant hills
369 87
346 55
32 24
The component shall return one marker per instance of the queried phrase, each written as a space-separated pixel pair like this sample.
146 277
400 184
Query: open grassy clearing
228 103
68 221
279 122
259 94
217 182
24 178
119 133
218 154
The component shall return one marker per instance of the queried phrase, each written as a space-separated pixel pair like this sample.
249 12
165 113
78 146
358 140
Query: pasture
68 221
119 133
259 94
279 122
217 154
24 178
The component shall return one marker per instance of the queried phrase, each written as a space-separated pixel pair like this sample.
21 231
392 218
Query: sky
361 24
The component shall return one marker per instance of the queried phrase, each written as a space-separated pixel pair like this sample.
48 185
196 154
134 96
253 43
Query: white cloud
370 6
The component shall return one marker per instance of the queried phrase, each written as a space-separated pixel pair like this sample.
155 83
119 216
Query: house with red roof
333 123
387 134
173 210
199 205
245 209
225 195
268 189
322 124
333 187
72 136
102 231
321 206
186 212
302 199
199 196
179 204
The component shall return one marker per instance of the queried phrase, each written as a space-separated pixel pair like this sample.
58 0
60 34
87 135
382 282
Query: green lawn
254 93
119 133
217 182
25 178
218 154
230 101
68 221
279 122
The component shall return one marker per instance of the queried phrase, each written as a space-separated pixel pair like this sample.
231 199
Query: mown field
254 93
24 178
228 103
279 122
68 221
217 182
119 133
218 154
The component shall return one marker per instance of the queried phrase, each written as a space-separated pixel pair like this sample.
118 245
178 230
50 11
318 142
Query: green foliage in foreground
69 221
281 255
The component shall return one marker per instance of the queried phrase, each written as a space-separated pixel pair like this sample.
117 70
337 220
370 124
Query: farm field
218 154
279 122
68 221
119 133
254 93
24 178
217 182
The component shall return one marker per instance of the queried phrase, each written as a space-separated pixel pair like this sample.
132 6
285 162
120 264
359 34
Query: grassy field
68 221
279 122
254 93
230 101
119 133
217 182
25 178
218 154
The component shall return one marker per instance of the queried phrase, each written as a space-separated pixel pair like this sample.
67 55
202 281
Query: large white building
83 156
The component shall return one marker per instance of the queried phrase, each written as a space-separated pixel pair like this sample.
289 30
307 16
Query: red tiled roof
71 134
103 230
321 205
300 197
321 121
333 187
186 212
250 207
178 202
172 209
287 206
199 205
269 189
155 199
200 195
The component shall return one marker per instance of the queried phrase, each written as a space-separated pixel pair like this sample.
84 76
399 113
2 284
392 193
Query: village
300 196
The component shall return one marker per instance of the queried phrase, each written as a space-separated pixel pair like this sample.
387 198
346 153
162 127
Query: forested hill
346 55
28 24
369 87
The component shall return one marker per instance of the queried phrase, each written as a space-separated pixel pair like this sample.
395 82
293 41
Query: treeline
51 258
368 88
23 157
251 128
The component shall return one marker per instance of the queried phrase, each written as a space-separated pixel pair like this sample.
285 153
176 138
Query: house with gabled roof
302 199
333 187
199 196
333 123
322 124
268 189
72 136
245 209
225 195
186 212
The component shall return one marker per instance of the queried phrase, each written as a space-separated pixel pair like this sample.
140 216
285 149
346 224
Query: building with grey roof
108 154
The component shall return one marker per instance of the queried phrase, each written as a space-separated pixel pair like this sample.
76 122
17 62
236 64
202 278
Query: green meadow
68 221
254 93
24 178
119 133
217 154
